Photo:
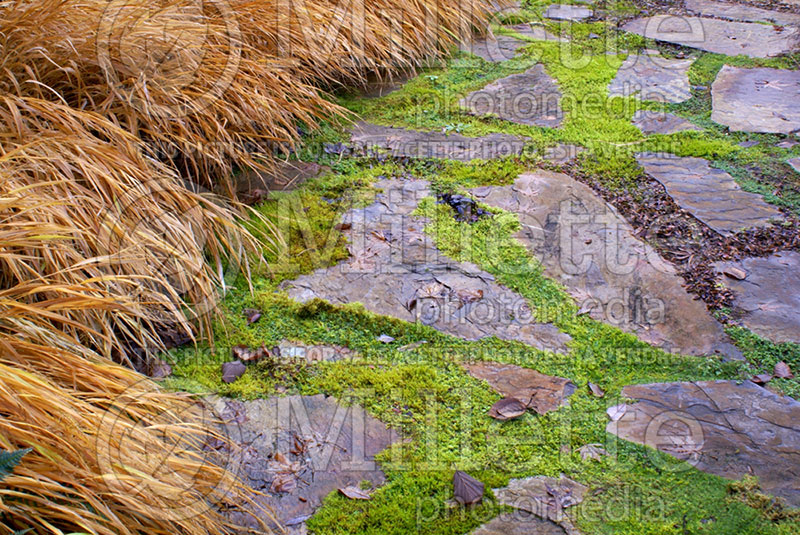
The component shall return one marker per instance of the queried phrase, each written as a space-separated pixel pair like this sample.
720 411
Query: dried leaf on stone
762 378
596 390
245 354
783 371
232 371
466 489
385 339
735 273
355 493
283 483
469 296
592 451
508 409
432 290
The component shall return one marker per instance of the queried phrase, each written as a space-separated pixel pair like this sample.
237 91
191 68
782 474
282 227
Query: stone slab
711 195
719 36
769 294
757 100
530 98
519 523
794 163
721 427
534 31
567 12
545 497
494 48
540 392
298 449
283 175
583 243
402 142
396 271
741 12
657 122
651 77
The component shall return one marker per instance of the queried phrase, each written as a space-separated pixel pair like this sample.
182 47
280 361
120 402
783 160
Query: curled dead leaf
762 378
508 409
783 371
232 370
596 390
252 315
355 493
467 489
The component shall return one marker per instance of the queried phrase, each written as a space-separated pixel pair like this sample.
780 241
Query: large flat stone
769 294
519 523
567 12
720 427
719 36
546 497
540 392
757 100
402 142
652 77
494 48
534 31
741 12
711 195
298 449
396 271
530 98
657 122
795 163
583 243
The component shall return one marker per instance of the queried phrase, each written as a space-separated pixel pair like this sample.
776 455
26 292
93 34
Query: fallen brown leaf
355 493
783 371
466 489
596 390
508 409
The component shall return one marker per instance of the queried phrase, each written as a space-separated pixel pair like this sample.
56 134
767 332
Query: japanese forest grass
441 411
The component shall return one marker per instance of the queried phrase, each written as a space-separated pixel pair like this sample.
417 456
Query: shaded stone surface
545 497
419 144
494 48
308 446
740 12
769 294
567 12
395 270
654 122
652 77
583 243
540 392
519 523
380 87
711 195
719 36
720 427
530 98
284 175
534 31
757 100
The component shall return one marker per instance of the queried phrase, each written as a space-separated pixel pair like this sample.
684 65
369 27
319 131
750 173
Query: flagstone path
652 77
657 122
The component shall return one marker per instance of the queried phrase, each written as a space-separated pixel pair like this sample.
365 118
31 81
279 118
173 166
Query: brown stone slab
709 194
657 122
741 12
769 294
721 427
540 392
530 98
651 77
584 244
395 270
534 31
567 12
719 36
298 449
402 142
546 497
757 100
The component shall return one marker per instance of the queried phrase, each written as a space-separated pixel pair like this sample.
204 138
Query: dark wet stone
719 36
311 445
652 77
396 271
757 100
562 153
539 392
711 195
769 294
534 31
546 497
720 427
494 49
465 208
584 244
519 523
418 144
284 176
741 12
655 122
530 98
567 12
